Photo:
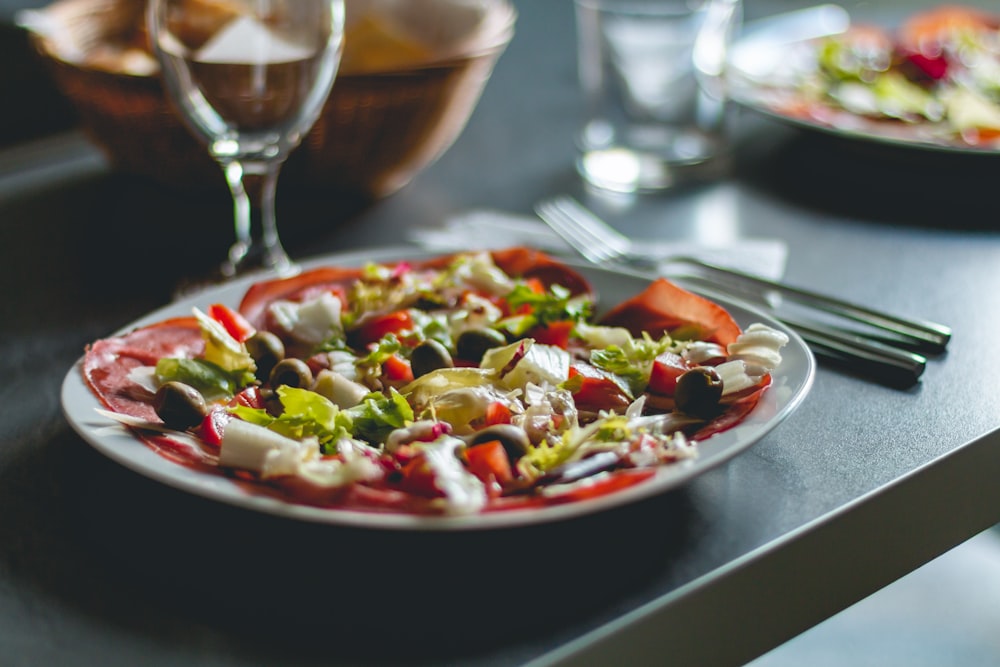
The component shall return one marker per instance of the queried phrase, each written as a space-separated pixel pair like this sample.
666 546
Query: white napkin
489 229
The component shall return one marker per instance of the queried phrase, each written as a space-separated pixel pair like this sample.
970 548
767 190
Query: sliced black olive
430 301
429 356
698 392
179 405
514 440
267 350
575 470
291 372
474 343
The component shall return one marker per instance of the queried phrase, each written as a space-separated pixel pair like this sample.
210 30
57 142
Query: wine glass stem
253 186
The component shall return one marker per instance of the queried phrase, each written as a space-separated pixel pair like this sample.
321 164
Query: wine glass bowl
249 78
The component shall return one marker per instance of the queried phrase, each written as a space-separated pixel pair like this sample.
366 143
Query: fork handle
931 336
888 365
860 354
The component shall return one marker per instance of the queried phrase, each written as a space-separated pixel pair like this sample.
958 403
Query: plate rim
116 443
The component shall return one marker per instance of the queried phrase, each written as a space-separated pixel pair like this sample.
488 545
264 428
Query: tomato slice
663 306
667 367
934 67
535 285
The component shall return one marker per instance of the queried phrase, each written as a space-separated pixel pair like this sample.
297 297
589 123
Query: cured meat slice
663 306
109 363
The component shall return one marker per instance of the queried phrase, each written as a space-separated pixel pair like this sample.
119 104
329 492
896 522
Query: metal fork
885 352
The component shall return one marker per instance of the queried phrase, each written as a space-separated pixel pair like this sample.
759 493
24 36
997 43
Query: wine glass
249 78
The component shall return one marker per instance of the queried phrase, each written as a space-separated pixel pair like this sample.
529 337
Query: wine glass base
278 265
244 259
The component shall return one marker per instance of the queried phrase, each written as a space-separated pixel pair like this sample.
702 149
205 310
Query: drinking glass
249 78
652 72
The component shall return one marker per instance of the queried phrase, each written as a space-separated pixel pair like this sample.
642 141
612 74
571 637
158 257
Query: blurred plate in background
772 66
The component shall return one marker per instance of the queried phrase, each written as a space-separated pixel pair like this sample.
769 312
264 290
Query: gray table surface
862 484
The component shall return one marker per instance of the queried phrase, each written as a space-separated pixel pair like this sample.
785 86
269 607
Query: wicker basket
377 131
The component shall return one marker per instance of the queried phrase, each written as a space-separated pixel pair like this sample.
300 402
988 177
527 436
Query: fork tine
557 223
592 244
570 232
601 231
595 243
595 240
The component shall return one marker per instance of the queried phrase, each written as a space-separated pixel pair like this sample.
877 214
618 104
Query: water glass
652 76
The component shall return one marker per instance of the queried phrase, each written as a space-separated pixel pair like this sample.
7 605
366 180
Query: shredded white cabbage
463 492
538 364
313 321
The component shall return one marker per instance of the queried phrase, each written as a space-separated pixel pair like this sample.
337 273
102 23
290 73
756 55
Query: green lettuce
213 381
305 414
557 304
378 415
632 362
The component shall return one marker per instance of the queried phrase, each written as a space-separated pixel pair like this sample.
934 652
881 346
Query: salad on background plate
933 81
468 390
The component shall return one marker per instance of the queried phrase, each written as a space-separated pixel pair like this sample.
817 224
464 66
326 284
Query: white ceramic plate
791 383
764 64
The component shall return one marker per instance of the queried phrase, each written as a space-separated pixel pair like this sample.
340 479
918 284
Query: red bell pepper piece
934 67
667 367
497 413
417 477
249 397
596 389
534 284
235 324
489 462
213 426
397 369
554 333
374 329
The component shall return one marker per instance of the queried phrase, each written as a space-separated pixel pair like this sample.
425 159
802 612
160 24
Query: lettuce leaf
213 381
557 304
633 361
380 352
306 414
378 415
